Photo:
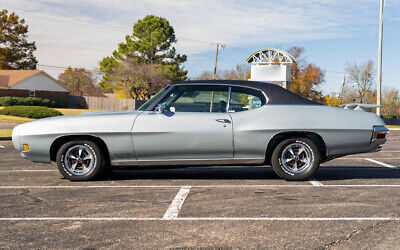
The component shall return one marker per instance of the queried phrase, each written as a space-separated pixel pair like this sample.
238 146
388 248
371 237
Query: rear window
243 99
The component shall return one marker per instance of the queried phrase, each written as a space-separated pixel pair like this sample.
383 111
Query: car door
194 124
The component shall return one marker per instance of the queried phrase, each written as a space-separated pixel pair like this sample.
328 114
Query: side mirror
159 108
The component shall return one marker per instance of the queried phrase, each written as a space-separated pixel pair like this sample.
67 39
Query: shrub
32 101
30 111
391 116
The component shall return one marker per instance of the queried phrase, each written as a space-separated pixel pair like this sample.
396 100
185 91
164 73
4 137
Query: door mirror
159 108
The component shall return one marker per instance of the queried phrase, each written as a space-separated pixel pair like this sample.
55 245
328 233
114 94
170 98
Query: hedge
30 111
32 101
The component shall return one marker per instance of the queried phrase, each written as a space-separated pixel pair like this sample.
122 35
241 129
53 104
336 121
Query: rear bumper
379 135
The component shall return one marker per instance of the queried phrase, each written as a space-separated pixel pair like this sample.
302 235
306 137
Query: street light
379 83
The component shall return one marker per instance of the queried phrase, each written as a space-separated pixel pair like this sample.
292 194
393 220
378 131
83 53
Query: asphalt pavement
351 203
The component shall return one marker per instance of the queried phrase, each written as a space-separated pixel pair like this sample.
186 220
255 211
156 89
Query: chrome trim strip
175 162
229 99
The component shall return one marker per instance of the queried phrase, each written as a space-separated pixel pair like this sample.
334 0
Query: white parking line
176 204
202 219
2 146
381 163
208 186
314 182
28 170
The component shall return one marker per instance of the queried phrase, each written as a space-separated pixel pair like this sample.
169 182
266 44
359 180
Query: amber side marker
26 147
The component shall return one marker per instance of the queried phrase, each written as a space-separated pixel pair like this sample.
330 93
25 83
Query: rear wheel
296 159
80 160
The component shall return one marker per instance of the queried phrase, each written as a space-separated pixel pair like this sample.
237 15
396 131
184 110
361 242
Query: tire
80 160
296 159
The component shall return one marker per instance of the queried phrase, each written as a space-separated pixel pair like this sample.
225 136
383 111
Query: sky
334 33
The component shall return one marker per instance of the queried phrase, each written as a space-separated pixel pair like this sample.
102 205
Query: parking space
351 202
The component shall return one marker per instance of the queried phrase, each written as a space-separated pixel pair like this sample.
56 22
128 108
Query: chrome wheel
296 158
80 159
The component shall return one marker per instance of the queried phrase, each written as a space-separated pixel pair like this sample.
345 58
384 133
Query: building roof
276 94
8 78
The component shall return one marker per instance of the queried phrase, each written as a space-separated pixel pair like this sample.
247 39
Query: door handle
223 121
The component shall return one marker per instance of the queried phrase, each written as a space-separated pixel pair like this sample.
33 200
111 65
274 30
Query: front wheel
80 160
296 159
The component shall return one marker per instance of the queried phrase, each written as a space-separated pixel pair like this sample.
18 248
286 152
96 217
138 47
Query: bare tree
137 80
362 75
390 103
240 72
78 79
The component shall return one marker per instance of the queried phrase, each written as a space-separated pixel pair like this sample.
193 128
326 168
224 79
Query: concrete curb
394 129
5 138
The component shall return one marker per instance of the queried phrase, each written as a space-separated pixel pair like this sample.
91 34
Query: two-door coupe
204 123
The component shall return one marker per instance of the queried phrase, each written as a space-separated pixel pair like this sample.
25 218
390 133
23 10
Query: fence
103 103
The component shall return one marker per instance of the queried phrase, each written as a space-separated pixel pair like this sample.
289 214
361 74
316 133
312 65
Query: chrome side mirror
159 108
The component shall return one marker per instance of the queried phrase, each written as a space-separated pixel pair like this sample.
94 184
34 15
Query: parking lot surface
352 202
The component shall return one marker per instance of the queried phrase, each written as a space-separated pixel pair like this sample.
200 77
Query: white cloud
101 24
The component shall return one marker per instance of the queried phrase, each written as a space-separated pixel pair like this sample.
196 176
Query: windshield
151 100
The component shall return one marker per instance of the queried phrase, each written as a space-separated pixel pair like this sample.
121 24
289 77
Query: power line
110 27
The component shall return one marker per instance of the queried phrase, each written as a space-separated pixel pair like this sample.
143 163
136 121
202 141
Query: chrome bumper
379 135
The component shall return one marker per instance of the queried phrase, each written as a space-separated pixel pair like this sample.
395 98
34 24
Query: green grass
5 132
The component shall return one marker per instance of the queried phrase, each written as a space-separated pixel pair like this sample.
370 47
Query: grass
393 126
72 111
5 132
16 119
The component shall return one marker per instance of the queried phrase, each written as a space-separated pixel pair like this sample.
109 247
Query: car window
197 99
151 100
243 99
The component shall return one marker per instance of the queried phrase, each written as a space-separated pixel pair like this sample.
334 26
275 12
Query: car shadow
246 173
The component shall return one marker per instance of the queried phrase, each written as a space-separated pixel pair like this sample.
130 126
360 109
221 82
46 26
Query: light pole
379 83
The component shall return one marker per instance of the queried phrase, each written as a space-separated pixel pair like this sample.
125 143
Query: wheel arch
57 143
316 138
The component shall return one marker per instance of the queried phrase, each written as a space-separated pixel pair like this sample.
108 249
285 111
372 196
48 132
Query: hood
87 122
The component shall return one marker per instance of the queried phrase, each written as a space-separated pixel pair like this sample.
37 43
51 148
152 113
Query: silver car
204 123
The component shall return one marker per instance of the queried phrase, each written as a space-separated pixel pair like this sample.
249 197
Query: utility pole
379 83
341 93
216 59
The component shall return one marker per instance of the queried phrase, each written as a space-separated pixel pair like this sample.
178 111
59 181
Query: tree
137 80
362 76
305 77
150 43
390 103
240 72
78 79
15 51
332 100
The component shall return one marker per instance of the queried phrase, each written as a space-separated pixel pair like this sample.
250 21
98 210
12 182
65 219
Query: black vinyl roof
276 94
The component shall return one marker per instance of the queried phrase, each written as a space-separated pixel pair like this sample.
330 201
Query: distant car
204 123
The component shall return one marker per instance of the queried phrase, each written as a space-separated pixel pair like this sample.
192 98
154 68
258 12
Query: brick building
34 83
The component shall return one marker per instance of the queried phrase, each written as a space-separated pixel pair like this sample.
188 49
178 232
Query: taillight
380 136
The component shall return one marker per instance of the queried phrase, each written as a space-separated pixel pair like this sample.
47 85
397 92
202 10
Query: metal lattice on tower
271 56
271 65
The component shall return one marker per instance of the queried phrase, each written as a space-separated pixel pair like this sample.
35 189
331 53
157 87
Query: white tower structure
271 65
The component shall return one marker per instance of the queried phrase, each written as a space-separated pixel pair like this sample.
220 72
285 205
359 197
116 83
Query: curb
394 129
5 138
